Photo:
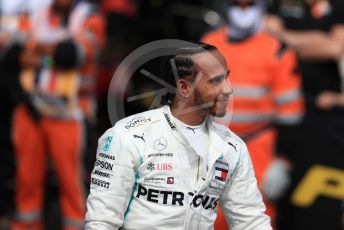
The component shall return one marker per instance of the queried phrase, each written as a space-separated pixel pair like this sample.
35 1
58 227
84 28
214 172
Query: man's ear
184 88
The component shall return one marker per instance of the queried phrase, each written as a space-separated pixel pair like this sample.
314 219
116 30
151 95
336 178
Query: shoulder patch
137 120
106 143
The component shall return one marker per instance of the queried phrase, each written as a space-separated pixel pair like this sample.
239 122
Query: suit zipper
197 176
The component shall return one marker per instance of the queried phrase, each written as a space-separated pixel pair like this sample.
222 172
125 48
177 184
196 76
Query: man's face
211 87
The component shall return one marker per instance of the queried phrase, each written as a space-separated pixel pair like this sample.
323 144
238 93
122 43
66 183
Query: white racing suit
147 176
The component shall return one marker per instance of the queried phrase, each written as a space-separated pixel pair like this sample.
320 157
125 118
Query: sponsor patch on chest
219 179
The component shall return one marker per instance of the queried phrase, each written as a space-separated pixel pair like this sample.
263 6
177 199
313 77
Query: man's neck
188 115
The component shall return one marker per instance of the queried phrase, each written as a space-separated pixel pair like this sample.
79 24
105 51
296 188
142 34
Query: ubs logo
160 144
160 166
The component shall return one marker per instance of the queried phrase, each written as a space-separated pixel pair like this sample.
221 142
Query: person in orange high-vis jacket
267 94
57 80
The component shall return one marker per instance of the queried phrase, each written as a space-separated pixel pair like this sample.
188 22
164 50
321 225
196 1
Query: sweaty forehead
211 63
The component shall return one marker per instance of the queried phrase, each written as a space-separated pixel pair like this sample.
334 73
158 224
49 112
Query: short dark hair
182 65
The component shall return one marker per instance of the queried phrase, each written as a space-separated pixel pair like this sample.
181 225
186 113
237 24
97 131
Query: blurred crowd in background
57 58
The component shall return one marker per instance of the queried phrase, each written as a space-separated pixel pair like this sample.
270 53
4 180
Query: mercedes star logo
160 144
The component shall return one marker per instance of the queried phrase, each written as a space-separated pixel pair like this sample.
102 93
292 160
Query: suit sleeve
241 200
112 182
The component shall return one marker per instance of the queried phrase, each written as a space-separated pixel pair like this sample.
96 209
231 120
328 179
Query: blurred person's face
212 90
319 8
245 17
313 2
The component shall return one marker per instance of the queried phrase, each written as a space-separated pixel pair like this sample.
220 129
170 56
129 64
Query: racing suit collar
217 148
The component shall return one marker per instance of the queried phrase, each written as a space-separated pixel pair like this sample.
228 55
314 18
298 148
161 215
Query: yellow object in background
319 181
53 93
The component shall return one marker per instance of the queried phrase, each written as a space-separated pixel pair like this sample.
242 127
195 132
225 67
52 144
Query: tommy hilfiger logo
221 174
221 170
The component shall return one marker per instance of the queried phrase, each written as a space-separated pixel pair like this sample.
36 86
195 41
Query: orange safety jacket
263 73
266 83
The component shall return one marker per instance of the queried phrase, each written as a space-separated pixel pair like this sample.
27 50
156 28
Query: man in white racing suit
152 173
